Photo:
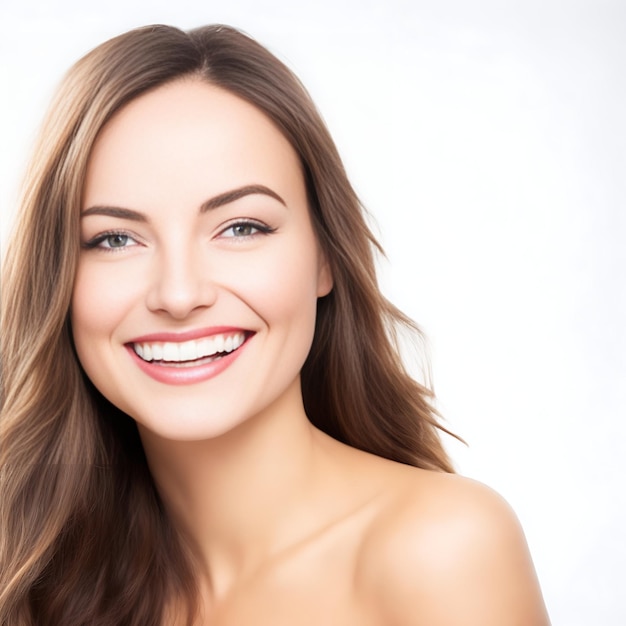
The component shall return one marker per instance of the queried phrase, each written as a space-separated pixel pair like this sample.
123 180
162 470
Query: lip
171 375
189 335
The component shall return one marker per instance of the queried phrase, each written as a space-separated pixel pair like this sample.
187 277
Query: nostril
179 293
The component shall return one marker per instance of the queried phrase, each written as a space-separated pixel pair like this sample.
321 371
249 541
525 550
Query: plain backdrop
487 139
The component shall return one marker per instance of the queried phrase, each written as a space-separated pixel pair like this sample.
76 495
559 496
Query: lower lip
185 375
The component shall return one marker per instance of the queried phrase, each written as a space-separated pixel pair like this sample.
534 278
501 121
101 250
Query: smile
189 353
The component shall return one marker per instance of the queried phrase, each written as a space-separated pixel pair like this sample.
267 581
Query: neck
243 496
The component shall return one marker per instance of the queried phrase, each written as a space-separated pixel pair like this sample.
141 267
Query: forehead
188 137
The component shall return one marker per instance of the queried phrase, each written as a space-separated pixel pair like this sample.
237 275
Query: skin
286 524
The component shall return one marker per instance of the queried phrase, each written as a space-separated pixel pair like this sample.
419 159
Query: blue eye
246 228
116 241
111 241
243 230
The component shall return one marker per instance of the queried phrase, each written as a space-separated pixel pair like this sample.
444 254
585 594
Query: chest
315 586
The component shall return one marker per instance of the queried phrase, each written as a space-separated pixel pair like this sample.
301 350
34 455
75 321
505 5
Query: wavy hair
84 538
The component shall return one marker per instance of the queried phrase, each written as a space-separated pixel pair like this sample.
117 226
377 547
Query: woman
205 419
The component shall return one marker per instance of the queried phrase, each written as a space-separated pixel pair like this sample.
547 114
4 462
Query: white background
488 141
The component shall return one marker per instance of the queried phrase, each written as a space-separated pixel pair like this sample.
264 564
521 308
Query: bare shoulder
446 551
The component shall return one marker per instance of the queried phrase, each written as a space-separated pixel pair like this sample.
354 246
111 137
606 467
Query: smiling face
195 297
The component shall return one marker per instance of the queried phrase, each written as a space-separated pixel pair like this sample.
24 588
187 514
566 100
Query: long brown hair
84 538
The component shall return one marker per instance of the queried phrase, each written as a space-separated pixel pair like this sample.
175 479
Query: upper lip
189 335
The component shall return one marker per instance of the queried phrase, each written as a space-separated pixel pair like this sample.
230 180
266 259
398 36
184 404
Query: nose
180 284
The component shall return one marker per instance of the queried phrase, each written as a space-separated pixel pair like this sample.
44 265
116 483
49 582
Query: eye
245 228
114 240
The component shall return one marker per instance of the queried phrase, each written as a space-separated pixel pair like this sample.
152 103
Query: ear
324 277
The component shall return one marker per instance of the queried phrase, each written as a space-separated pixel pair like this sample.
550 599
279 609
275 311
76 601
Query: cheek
100 297
279 286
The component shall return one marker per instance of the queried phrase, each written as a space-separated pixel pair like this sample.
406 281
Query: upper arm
456 558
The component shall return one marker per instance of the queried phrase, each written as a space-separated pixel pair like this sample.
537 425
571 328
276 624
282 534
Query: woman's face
195 298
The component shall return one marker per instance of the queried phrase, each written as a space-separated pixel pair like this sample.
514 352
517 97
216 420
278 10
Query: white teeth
188 351
178 352
171 352
218 345
157 351
204 346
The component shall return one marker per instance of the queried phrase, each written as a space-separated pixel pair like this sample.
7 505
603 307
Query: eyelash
98 240
260 227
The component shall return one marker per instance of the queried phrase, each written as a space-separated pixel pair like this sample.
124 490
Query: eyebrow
235 194
213 203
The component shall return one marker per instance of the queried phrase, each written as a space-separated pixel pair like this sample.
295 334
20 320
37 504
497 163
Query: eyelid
95 241
261 227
